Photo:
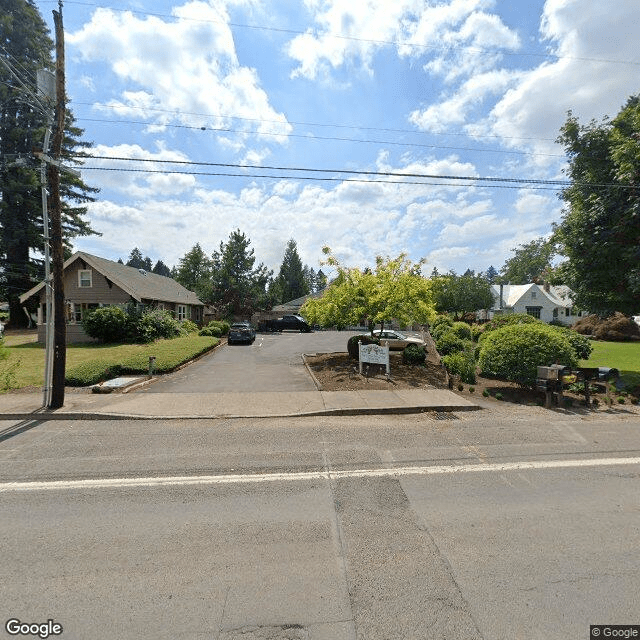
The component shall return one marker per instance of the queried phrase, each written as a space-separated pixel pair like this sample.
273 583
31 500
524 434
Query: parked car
397 340
241 332
293 323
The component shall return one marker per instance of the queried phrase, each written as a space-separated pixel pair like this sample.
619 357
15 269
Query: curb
46 416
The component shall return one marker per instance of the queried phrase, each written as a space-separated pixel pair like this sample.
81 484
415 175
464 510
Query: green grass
82 360
624 356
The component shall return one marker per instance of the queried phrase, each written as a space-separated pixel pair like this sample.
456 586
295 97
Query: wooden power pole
55 208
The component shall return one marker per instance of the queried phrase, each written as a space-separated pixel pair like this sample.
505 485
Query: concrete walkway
150 405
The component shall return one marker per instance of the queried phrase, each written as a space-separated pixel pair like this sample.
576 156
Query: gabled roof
139 284
559 296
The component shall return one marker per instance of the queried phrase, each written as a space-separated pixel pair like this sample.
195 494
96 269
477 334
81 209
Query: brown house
91 282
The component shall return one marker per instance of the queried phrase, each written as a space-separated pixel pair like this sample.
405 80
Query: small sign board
374 354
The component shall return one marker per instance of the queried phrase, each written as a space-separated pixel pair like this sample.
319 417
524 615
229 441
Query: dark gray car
241 332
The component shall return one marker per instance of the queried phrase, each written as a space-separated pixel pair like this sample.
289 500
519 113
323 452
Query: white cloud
185 70
351 33
581 80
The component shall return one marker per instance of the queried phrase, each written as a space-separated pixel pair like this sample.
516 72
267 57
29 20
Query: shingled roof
138 283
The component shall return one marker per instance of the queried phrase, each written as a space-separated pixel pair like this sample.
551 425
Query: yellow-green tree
395 289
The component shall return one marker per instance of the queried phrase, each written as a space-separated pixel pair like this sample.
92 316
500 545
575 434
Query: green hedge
515 352
170 354
461 364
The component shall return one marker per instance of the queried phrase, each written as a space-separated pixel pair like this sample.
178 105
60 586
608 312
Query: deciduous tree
529 263
395 289
600 227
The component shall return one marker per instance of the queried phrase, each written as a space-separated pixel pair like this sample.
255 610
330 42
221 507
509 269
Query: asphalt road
272 363
511 524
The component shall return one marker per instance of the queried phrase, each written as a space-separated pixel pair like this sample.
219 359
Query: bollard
152 362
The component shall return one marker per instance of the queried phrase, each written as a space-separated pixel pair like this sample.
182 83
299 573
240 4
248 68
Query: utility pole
57 254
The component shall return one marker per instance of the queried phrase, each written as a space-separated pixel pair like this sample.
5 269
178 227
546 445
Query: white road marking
328 474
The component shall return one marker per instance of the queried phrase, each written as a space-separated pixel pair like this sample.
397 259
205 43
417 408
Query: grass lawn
624 356
88 363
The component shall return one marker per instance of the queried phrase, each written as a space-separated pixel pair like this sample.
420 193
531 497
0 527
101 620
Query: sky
337 123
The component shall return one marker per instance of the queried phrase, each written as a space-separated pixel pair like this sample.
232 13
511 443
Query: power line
302 124
396 43
330 138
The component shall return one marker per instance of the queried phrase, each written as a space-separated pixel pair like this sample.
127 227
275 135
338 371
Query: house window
567 312
534 311
84 278
182 312
533 295
78 310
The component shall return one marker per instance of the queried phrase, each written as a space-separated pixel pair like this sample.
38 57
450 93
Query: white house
540 301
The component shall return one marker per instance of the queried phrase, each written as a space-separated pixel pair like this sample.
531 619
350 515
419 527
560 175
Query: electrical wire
395 43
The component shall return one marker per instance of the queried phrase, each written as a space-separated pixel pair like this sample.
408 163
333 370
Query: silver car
397 340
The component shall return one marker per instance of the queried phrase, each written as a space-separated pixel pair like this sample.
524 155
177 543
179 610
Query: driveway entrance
272 363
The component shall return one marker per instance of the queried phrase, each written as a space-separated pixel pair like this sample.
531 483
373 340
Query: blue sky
470 88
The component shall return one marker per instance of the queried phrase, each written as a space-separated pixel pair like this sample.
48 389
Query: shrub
442 320
461 329
414 354
621 400
485 393
499 396
155 324
188 326
581 345
476 331
106 324
472 389
221 325
508 320
213 332
461 364
514 352
450 343
352 344
91 372
616 327
460 387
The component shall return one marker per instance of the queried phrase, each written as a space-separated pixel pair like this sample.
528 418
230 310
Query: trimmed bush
515 352
581 345
352 344
414 354
221 325
92 372
461 364
442 320
450 343
508 320
212 331
107 324
462 330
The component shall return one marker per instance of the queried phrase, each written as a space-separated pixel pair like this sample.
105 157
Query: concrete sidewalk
150 405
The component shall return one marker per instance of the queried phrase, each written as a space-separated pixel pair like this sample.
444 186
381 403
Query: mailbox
608 373
553 372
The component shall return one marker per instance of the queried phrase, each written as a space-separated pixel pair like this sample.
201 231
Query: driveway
272 363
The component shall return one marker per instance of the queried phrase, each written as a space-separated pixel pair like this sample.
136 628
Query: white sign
374 354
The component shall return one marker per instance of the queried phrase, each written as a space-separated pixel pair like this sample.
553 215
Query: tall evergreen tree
238 288
194 272
161 269
293 281
26 47
135 259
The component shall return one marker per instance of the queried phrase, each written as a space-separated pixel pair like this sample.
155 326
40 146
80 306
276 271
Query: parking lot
272 363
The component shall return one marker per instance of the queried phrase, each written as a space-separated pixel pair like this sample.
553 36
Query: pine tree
292 278
238 288
135 259
26 47
194 272
161 269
